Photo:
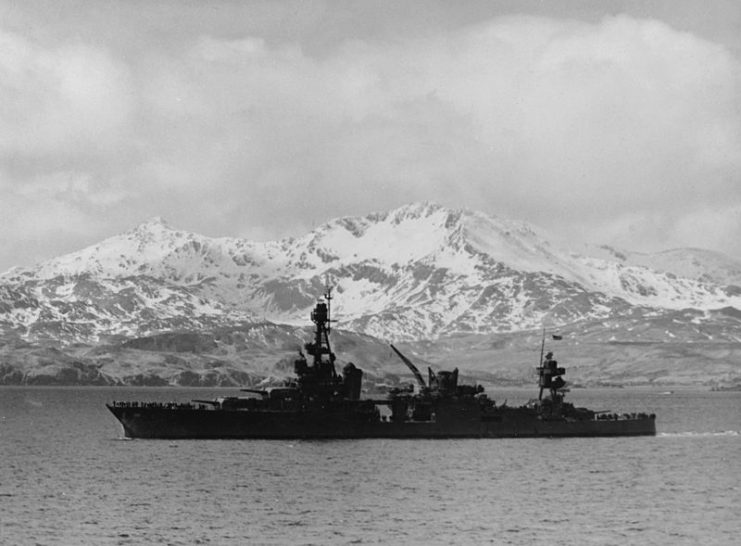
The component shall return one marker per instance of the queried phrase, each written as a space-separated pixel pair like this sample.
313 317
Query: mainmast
550 378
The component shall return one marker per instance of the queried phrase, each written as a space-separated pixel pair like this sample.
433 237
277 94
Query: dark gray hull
196 423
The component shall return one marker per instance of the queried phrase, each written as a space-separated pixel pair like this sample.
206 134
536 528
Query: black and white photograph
370 272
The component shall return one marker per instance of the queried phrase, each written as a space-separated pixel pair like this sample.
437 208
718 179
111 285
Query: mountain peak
418 209
408 211
155 224
155 230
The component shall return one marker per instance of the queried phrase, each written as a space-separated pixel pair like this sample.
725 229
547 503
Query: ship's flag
557 337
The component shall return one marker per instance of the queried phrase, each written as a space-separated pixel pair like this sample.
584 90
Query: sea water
67 476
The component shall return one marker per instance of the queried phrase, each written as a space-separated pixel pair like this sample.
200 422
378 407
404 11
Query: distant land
452 288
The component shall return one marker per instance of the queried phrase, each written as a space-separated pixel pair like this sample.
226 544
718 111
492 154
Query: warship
324 404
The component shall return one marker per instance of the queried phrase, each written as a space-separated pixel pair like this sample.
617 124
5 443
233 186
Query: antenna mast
540 363
328 297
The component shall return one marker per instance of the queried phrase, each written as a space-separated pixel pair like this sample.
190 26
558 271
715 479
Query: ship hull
168 423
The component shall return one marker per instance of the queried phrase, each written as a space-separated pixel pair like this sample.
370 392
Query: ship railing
155 405
624 416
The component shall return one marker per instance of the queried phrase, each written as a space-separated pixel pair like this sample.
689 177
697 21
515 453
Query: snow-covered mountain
418 272
157 305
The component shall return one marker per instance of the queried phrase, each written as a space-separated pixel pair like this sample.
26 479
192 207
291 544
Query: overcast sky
608 121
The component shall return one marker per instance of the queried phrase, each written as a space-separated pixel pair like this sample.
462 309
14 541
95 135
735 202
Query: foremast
319 379
320 347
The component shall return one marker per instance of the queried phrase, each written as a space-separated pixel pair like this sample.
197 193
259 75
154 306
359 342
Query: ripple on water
695 434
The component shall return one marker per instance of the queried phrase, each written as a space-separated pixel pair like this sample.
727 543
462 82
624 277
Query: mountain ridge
421 274
423 269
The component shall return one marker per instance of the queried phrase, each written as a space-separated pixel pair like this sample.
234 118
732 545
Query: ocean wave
693 434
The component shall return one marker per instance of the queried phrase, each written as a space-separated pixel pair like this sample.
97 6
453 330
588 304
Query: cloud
66 111
539 118
721 225
65 116
624 130
60 100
